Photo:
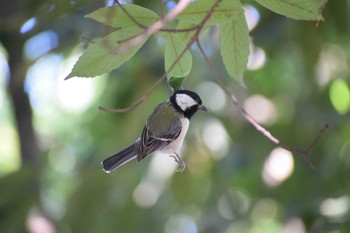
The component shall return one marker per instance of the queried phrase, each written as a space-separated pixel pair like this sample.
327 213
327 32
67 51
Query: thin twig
302 152
156 27
156 84
139 101
142 26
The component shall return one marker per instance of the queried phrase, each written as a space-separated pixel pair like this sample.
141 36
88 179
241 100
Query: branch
139 101
156 27
302 152
176 9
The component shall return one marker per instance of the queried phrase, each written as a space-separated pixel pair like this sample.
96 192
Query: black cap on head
186 102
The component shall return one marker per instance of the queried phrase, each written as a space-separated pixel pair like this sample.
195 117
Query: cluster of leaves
131 20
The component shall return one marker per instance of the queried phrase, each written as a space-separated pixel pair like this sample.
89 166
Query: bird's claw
181 163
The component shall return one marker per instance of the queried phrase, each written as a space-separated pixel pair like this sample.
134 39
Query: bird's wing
163 127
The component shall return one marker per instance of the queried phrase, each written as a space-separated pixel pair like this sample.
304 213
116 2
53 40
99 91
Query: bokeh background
53 137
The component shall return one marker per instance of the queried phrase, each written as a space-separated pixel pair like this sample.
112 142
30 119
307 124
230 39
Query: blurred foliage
227 185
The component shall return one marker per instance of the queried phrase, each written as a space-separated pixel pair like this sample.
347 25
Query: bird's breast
175 146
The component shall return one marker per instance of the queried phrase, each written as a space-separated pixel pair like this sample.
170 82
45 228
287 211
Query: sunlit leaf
198 10
107 53
296 9
114 16
234 42
339 94
174 47
186 35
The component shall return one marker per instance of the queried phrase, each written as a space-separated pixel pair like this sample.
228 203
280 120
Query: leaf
234 43
185 36
176 83
174 47
198 10
107 53
296 9
114 16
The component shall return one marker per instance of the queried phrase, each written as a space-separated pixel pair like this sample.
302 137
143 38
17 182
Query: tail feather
120 158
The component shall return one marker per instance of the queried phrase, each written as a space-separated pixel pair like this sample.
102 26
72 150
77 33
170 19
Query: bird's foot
178 159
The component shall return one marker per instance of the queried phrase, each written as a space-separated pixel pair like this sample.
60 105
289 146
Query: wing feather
158 133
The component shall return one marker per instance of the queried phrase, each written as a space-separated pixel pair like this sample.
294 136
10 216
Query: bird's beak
203 108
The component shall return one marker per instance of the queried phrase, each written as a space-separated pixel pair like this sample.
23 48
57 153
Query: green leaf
107 53
114 16
339 94
176 83
185 36
234 43
296 9
198 10
174 47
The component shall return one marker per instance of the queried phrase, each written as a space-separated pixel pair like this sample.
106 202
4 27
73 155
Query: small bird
164 131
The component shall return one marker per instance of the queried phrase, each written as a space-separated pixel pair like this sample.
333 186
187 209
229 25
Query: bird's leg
178 159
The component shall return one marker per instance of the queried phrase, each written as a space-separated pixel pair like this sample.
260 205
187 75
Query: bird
164 131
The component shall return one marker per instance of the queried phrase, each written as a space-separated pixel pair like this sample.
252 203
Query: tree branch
302 152
156 27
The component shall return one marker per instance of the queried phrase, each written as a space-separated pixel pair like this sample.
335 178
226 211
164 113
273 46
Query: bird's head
187 102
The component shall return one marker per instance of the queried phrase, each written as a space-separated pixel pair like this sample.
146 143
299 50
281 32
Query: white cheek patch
185 101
